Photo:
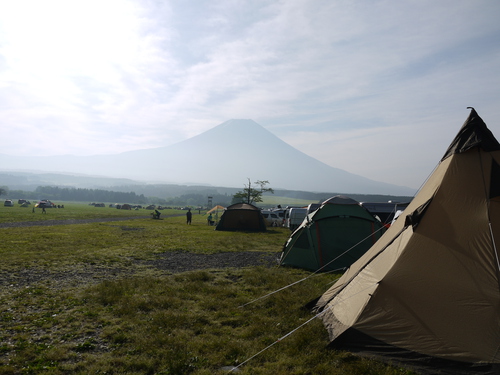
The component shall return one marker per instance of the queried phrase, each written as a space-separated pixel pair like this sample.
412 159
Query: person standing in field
189 215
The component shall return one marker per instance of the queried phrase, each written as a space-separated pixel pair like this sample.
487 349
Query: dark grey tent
242 216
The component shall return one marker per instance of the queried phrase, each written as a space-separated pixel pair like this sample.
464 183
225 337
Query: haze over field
226 155
378 89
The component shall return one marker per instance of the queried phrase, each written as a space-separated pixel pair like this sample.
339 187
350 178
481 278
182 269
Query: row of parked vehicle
45 203
10 202
294 216
290 217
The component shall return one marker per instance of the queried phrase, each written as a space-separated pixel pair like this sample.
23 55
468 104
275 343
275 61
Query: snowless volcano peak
234 126
238 130
239 122
226 155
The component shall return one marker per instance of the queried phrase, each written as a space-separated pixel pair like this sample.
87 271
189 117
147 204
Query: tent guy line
342 254
314 273
278 340
333 236
295 330
286 287
383 296
453 221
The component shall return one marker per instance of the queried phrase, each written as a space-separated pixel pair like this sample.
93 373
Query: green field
71 210
87 299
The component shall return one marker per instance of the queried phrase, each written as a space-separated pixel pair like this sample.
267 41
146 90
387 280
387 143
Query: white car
272 218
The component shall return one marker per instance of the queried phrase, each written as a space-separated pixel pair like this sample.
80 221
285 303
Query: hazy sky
377 88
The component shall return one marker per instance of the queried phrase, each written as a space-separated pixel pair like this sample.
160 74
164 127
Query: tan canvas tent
429 289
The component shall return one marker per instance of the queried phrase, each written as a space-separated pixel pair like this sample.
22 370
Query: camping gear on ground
332 237
428 290
216 210
242 216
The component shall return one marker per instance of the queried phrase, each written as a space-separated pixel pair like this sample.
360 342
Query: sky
377 88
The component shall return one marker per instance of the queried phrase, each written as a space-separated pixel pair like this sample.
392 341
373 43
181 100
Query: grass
71 210
115 243
153 322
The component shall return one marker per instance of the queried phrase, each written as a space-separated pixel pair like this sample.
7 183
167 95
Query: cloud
332 78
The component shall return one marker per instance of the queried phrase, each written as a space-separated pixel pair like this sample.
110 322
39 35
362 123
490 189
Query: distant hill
19 184
226 155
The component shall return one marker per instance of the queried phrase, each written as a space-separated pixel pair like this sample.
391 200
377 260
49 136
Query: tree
252 195
3 191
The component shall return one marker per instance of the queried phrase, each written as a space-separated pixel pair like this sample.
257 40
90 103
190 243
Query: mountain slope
223 156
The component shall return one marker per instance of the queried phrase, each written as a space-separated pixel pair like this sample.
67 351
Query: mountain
226 155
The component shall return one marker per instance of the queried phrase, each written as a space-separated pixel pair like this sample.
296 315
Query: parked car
272 219
294 217
281 215
8 203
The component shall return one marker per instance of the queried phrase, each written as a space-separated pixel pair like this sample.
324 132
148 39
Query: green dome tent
332 237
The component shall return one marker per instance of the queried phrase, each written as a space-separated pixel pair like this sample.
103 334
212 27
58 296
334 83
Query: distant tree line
71 194
179 195
170 195
87 195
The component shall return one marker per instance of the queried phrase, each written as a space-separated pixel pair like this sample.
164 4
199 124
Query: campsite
130 295
142 296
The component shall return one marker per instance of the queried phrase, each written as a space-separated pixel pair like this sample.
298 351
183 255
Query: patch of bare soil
170 262
183 261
